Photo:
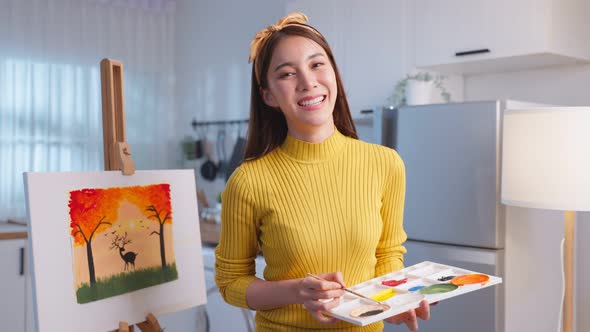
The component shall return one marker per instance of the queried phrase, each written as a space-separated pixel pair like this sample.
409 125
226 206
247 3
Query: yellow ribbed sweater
311 207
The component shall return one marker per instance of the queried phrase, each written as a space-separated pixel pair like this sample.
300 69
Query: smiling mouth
312 102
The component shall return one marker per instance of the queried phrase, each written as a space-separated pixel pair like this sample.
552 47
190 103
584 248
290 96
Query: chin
319 119
320 125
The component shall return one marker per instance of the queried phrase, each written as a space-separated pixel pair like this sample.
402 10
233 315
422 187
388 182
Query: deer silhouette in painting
128 257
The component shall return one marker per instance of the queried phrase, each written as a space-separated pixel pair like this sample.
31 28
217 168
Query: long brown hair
267 127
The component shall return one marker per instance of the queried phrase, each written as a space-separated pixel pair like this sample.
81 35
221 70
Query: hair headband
262 36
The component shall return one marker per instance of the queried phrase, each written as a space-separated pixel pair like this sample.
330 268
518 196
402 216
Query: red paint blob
393 283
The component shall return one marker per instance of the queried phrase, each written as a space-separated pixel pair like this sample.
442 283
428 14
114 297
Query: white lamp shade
546 158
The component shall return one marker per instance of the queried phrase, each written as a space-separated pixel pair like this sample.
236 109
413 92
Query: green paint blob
439 288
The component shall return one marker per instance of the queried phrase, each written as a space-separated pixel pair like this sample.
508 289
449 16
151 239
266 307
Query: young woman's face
302 84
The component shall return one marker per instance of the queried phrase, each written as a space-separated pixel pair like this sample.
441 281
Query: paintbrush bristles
346 289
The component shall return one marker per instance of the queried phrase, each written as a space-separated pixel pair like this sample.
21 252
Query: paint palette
403 290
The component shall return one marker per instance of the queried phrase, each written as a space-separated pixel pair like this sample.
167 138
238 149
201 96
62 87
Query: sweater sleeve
235 254
390 249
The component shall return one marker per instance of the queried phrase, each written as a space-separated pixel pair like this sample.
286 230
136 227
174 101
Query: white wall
212 70
533 236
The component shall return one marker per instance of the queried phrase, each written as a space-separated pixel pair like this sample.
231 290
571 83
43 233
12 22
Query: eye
317 64
286 74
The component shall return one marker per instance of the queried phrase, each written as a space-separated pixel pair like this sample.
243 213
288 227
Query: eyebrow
285 64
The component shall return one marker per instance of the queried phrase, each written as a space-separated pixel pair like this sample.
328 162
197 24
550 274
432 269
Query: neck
315 135
314 152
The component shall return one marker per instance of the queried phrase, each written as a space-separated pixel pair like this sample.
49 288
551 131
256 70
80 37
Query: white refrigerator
452 211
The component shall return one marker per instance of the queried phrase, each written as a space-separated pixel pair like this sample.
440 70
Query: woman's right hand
319 296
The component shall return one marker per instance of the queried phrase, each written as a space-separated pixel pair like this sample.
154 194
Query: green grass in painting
126 282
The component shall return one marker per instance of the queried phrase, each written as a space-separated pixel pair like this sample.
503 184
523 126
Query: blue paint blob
415 288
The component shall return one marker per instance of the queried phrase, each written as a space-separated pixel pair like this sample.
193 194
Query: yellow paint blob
383 295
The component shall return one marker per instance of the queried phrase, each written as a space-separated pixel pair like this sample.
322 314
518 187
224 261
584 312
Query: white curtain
50 96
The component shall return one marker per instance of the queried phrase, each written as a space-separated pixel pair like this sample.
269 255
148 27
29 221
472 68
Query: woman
310 196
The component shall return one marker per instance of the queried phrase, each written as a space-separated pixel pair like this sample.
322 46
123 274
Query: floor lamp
546 165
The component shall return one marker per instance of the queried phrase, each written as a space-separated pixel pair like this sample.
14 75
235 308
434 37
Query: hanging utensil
198 145
222 164
209 167
237 155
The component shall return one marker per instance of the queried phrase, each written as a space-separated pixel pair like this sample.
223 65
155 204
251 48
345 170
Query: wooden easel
150 325
117 154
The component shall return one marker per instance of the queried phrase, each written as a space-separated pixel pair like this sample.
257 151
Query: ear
268 98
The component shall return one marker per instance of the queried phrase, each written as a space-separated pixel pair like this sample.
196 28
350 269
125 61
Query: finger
315 284
329 294
306 294
307 291
320 317
424 310
314 305
337 277
325 319
411 321
334 277
397 319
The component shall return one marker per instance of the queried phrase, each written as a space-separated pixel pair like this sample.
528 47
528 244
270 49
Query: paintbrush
346 289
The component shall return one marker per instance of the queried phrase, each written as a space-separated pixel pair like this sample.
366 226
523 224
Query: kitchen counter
209 232
12 231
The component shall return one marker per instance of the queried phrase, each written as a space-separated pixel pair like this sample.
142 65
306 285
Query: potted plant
417 89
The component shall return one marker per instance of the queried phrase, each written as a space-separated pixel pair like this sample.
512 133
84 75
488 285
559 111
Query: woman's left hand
410 317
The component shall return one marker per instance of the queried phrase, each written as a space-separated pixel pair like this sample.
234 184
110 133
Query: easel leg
151 324
124 327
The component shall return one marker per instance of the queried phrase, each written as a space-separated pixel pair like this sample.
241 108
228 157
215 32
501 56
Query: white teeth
312 101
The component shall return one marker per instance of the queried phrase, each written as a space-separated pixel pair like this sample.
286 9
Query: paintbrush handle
346 289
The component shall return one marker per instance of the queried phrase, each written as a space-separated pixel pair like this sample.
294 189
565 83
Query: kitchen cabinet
30 324
192 319
221 315
12 276
16 300
478 36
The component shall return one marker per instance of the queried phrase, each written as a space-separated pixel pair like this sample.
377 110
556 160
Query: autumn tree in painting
156 200
91 212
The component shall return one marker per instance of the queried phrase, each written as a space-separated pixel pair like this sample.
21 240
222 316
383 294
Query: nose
307 80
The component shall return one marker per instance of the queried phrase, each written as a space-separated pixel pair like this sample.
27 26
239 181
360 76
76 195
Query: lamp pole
568 253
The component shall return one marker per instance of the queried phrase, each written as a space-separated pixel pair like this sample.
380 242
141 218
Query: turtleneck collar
313 152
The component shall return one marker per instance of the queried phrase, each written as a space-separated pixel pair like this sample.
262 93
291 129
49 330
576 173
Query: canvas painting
122 239
108 248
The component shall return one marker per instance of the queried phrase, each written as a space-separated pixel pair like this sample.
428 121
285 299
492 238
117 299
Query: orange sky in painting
132 220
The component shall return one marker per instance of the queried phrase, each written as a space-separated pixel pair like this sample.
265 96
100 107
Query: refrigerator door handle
468 255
